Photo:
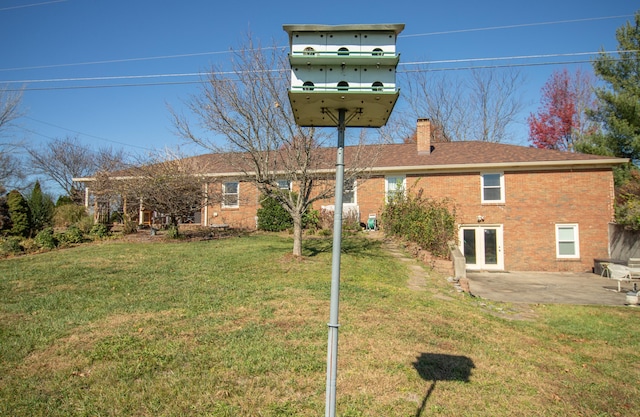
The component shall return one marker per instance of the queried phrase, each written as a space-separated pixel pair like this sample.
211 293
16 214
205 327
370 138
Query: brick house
518 208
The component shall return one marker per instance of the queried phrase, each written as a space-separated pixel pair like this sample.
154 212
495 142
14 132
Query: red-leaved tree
561 120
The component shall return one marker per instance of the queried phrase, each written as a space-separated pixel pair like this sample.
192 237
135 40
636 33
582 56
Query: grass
236 327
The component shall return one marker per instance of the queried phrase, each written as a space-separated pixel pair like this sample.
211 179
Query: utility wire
31 5
83 134
223 73
284 47
448 32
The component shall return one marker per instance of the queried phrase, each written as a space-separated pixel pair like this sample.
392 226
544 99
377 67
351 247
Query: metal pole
332 349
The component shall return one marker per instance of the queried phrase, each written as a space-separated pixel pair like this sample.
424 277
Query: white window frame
482 188
347 189
387 189
225 194
575 241
281 185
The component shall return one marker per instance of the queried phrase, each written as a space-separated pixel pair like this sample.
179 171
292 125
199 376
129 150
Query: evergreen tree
42 208
5 219
19 213
619 101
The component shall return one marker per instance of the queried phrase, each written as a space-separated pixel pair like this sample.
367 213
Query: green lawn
236 327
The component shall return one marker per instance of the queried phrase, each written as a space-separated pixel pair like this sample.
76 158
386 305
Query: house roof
473 154
463 156
446 156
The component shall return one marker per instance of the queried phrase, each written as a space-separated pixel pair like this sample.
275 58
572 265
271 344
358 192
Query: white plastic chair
619 273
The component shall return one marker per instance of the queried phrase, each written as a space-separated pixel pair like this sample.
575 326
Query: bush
45 239
72 235
173 232
350 221
68 214
20 214
426 222
10 246
272 217
99 230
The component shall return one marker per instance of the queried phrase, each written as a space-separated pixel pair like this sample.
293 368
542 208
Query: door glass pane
469 237
490 247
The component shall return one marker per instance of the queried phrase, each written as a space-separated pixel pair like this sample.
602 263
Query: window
394 186
343 86
230 194
567 242
284 185
349 192
307 86
493 188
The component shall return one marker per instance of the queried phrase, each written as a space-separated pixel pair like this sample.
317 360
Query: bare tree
62 160
479 107
167 183
251 111
9 111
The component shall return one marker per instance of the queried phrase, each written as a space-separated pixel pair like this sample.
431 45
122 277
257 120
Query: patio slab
548 288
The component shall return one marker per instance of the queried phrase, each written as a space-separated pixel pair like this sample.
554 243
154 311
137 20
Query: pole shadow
436 367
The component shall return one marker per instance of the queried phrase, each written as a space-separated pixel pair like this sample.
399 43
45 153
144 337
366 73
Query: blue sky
70 39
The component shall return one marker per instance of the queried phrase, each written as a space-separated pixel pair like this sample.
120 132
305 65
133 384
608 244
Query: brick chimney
423 136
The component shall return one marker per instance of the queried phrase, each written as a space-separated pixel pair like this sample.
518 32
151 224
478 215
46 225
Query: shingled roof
443 157
458 156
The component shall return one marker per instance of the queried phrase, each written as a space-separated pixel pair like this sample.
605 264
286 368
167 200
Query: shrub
45 239
68 214
72 235
20 214
311 219
99 230
129 227
173 232
426 222
85 224
10 246
350 220
272 217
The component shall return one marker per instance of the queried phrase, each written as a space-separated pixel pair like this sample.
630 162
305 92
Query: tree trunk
297 235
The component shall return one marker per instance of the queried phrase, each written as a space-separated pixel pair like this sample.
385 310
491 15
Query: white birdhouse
345 67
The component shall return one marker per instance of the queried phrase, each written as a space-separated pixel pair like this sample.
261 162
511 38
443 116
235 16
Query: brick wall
534 203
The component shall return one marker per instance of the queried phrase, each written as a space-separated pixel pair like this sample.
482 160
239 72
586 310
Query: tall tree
482 106
19 213
42 208
619 99
63 159
251 111
5 218
9 112
560 122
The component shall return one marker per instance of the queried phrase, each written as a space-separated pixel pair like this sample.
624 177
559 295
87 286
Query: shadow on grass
350 245
436 367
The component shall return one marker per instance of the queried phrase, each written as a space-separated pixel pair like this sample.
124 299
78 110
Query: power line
151 58
83 134
31 5
223 73
448 32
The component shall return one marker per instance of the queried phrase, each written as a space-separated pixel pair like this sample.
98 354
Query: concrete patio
548 288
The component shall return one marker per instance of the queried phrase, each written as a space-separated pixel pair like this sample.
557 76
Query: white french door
482 246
